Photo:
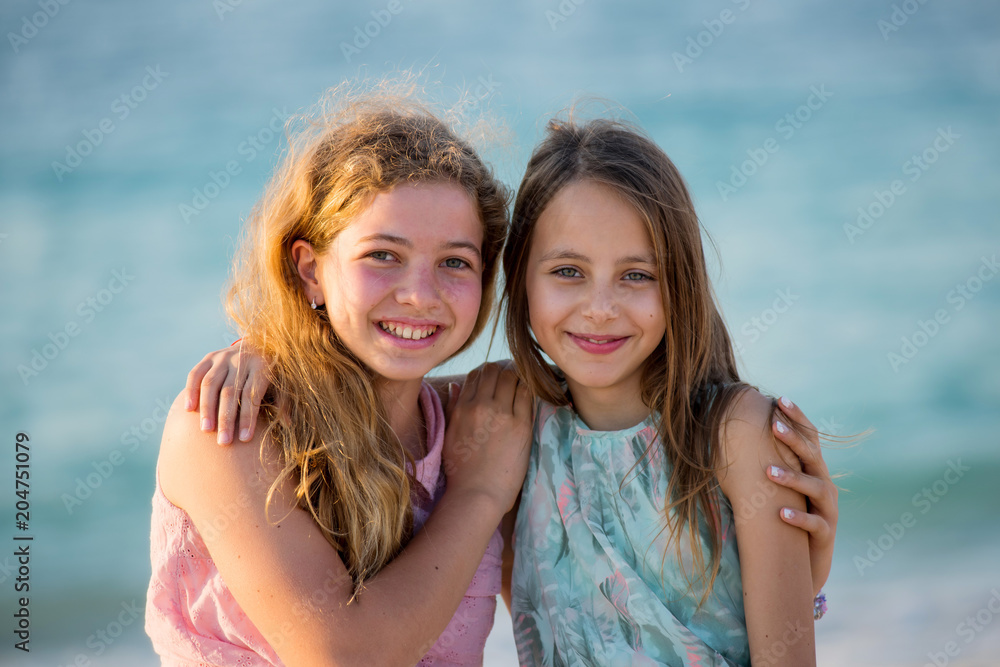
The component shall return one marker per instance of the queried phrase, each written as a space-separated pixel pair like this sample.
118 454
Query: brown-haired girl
646 439
369 260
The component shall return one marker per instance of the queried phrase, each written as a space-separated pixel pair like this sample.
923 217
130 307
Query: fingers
811 523
506 390
471 385
808 450
481 383
454 391
211 384
816 490
793 412
253 393
228 398
193 384
524 403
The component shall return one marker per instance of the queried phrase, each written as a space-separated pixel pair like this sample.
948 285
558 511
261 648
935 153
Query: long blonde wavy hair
323 409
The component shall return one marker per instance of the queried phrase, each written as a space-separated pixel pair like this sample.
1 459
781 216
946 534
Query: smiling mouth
406 331
599 340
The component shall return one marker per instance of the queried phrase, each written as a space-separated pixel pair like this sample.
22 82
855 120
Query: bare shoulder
195 472
746 441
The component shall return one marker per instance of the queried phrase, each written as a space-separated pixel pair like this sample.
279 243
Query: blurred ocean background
786 119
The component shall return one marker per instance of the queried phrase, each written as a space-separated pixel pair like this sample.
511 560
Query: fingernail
206 424
189 405
781 427
787 403
245 434
776 471
225 437
787 513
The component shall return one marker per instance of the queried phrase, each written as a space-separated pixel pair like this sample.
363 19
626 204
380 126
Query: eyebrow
560 253
407 243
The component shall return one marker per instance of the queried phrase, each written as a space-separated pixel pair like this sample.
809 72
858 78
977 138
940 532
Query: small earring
314 303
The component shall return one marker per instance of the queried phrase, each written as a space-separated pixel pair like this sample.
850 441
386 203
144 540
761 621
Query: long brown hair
323 409
691 379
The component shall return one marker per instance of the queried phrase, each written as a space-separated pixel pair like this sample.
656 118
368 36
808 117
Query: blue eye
455 263
637 275
381 255
566 272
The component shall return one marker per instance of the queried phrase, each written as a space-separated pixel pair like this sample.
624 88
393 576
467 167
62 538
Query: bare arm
292 584
507 530
774 556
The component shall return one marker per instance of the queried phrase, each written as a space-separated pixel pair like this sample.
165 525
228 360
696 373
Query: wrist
481 502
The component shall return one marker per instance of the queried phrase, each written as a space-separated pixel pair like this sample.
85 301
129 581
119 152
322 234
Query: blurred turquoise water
803 114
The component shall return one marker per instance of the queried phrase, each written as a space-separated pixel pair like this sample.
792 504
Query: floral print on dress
596 580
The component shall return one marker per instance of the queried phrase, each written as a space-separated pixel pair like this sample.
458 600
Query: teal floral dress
596 580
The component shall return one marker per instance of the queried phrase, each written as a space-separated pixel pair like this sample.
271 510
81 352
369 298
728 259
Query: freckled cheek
366 287
463 297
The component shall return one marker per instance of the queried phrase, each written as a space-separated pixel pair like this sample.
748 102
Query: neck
608 409
402 405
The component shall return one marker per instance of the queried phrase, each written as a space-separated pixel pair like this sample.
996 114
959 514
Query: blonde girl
333 540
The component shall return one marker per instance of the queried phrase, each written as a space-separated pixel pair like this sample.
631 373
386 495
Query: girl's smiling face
593 291
402 283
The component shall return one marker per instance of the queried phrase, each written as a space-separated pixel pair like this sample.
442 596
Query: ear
304 258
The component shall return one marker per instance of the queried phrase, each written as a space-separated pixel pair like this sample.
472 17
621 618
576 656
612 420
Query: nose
419 289
600 304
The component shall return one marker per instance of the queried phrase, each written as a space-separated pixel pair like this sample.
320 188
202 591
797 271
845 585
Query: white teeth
407 332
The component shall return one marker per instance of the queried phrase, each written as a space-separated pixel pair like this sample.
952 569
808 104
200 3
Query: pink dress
193 619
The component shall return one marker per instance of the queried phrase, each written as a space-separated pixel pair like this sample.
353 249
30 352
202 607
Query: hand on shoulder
200 477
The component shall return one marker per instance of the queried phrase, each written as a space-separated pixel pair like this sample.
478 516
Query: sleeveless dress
596 580
193 619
